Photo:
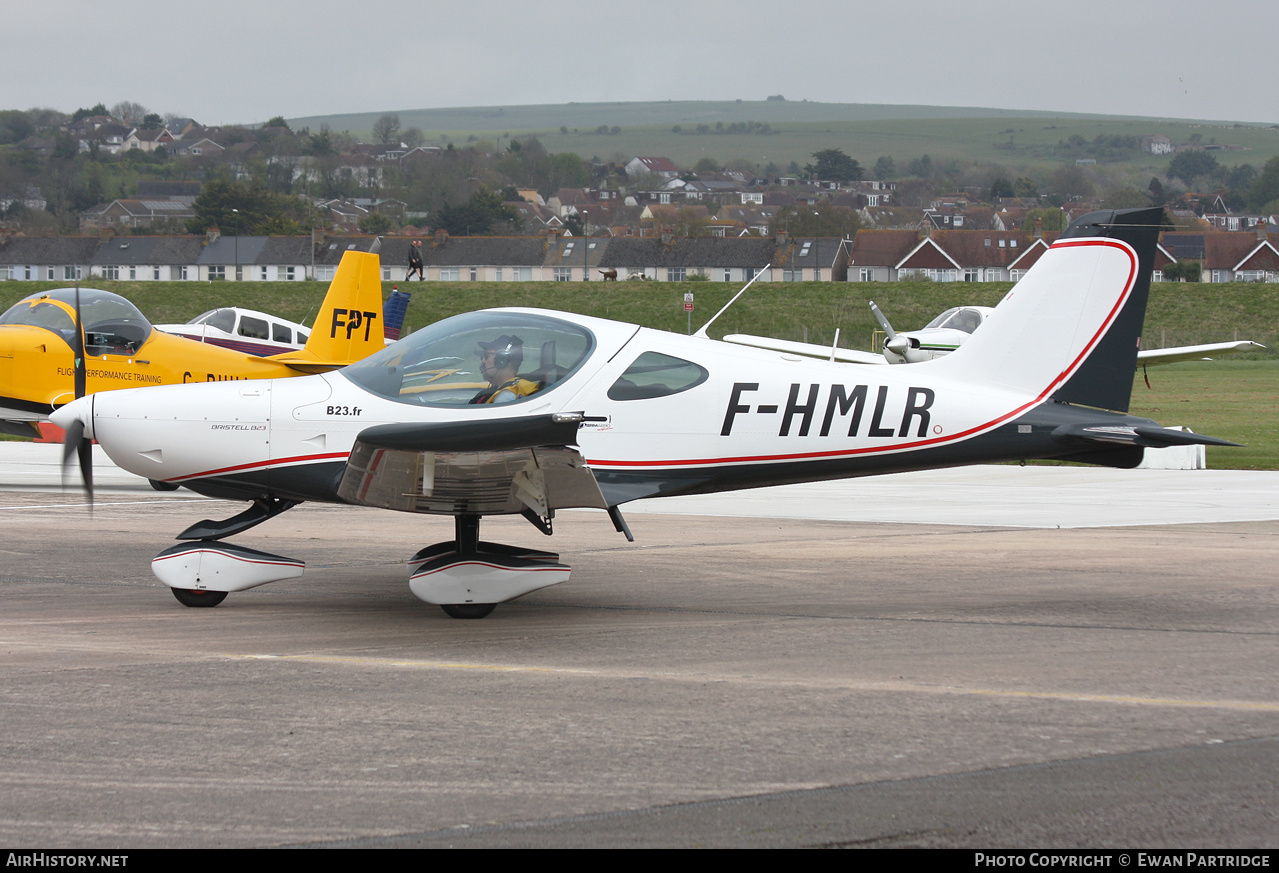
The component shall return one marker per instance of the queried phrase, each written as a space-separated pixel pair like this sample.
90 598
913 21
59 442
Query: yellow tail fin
348 327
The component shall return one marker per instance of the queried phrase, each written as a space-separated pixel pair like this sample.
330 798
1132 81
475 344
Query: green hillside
1014 138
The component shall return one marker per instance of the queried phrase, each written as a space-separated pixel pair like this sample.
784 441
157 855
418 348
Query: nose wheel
194 597
468 610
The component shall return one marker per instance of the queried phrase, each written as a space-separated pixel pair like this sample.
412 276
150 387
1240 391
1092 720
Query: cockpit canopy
111 323
440 365
964 318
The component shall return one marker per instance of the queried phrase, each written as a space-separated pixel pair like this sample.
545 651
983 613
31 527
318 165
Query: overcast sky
243 61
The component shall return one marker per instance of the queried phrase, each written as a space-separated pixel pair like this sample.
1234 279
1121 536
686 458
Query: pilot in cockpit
500 362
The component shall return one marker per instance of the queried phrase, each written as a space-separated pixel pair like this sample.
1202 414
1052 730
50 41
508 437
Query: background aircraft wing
1152 357
850 356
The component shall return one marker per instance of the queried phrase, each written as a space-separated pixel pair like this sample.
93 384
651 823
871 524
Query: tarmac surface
992 657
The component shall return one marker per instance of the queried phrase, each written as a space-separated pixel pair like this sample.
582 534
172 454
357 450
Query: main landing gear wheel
460 610
193 597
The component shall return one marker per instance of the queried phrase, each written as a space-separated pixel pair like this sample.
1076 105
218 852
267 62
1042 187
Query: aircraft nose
77 410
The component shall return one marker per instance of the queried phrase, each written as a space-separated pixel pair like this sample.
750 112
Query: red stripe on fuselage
262 465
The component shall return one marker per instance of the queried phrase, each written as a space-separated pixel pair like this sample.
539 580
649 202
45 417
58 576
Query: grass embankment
1231 398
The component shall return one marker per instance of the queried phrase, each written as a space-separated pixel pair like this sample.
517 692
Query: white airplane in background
950 330
259 333
245 330
601 413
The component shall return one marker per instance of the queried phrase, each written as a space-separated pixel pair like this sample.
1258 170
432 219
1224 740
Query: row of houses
872 255
549 257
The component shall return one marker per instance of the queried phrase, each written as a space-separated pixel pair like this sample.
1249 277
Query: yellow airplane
38 348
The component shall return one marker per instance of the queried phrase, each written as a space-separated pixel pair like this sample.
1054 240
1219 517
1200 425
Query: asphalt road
745 681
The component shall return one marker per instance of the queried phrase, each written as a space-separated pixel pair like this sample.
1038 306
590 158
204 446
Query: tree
1183 271
1070 183
129 112
1052 220
834 165
375 224
821 219
1127 198
99 109
277 121
920 168
387 128
320 144
885 167
1266 187
1190 165
15 126
478 215
238 207
1156 189
1001 187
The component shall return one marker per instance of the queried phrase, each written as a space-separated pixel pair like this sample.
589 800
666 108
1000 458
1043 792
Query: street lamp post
586 245
236 213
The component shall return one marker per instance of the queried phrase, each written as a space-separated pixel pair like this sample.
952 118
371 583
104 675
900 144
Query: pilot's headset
508 351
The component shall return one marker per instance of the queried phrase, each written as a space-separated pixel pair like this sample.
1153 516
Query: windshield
222 319
967 320
479 358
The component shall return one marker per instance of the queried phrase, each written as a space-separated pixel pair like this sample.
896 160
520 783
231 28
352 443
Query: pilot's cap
506 346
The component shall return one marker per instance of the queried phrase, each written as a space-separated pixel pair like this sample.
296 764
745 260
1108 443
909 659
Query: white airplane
245 330
599 413
259 333
950 330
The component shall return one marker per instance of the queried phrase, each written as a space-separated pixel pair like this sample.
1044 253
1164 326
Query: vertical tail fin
1070 327
396 308
348 327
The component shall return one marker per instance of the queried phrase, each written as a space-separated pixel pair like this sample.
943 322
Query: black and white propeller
896 343
76 442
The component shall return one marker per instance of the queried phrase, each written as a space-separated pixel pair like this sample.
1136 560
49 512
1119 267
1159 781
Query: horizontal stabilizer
1146 436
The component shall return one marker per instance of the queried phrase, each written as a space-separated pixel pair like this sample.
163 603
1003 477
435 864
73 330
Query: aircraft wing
850 356
1194 353
527 466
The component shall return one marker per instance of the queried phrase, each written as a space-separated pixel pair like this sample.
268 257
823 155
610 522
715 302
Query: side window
253 328
656 375
281 333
